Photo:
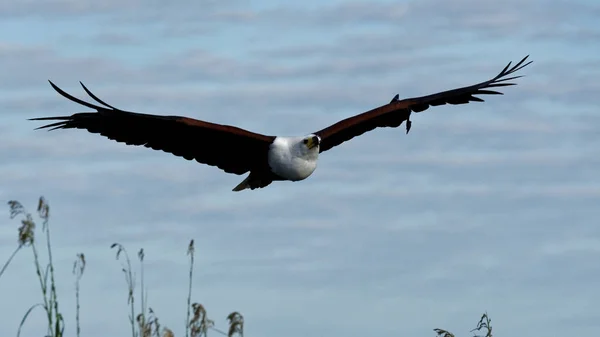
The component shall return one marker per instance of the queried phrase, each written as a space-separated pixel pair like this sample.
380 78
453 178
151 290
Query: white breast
290 159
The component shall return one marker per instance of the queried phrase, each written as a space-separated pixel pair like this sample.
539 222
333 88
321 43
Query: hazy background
490 206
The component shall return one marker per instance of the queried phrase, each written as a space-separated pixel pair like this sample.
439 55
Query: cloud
198 65
69 8
107 39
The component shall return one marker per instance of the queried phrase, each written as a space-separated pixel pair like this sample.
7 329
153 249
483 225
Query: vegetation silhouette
145 323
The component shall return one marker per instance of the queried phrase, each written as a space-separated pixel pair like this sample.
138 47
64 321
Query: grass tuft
26 238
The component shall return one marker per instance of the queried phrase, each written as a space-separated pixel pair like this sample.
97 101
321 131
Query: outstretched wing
397 111
229 148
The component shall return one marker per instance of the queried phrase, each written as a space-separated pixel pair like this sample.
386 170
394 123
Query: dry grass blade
443 333
27 228
236 324
27 315
16 208
144 295
129 279
26 231
9 260
484 323
78 269
43 209
151 326
145 328
53 313
167 333
200 323
191 250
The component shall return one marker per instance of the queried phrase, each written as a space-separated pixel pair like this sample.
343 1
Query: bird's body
288 158
238 151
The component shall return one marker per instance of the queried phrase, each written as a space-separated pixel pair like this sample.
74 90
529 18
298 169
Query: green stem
9 260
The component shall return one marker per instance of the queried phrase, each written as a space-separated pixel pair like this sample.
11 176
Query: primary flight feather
238 151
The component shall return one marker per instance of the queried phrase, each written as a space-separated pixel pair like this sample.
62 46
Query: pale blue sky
489 206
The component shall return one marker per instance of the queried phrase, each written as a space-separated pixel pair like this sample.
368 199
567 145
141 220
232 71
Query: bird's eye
305 141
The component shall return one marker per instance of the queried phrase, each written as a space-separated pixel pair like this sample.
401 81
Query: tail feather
243 185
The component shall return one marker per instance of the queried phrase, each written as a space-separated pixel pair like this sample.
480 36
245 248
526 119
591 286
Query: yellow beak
311 143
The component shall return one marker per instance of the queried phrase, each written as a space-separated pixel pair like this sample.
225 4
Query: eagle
238 151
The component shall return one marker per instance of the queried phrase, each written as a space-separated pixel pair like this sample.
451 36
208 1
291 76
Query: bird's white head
294 158
306 147
311 143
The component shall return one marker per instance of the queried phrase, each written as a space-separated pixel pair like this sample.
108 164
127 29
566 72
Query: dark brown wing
231 149
397 111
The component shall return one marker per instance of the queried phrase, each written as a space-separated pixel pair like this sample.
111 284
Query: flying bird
238 151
